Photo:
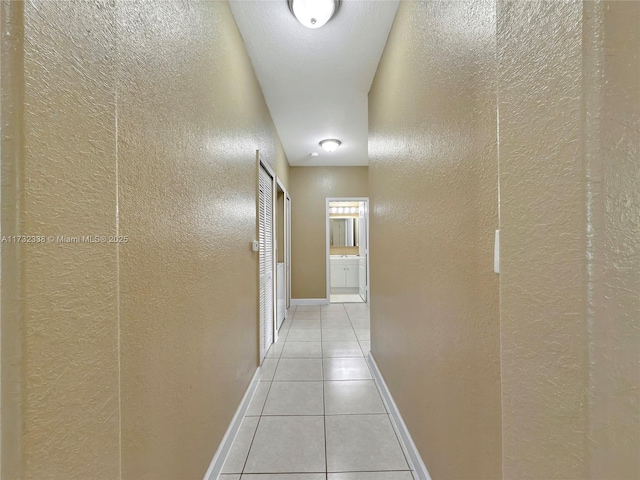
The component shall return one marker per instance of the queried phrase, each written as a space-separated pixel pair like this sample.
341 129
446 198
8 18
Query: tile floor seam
293 415
324 408
337 380
244 466
324 359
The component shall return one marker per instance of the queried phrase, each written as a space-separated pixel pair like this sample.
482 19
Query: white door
265 234
363 250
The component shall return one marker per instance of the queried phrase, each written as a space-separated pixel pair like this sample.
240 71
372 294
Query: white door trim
328 242
287 253
287 244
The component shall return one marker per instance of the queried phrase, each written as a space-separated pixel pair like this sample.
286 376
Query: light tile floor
316 413
345 298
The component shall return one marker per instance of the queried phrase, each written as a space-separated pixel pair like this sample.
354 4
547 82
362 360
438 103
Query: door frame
328 200
287 245
287 209
260 162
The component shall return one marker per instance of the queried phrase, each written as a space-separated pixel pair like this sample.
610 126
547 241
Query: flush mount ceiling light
330 144
314 154
313 13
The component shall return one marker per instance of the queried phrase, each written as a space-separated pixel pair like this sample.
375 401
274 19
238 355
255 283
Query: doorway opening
347 250
283 253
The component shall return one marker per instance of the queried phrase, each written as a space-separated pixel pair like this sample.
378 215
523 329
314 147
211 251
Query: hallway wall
433 189
11 330
191 116
63 158
140 120
310 187
543 280
568 104
569 107
613 187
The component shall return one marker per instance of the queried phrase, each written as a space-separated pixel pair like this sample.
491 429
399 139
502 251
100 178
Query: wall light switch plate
255 246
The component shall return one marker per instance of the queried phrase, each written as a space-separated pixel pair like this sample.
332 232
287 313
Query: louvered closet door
266 260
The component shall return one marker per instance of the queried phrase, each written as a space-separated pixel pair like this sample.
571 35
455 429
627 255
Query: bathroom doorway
347 250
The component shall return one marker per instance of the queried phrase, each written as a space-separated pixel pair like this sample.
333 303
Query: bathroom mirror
344 232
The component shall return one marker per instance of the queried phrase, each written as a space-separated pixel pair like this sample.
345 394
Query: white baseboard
410 450
215 468
309 301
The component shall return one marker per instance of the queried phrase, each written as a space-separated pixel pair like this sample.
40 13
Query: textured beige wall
433 188
11 329
140 120
613 193
69 291
191 117
310 187
543 240
569 107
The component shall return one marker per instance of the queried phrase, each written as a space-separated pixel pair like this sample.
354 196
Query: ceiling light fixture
314 154
313 13
330 144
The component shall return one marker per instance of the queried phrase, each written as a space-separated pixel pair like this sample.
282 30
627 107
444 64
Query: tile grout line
324 408
387 414
246 460
279 357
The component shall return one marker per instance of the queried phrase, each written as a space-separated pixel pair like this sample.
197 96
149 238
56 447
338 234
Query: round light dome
313 13
330 144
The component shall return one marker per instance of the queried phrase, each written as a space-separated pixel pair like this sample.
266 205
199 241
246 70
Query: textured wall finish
310 187
569 101
191 115
70 311
11 330
433 184
613 112
135 355
542 240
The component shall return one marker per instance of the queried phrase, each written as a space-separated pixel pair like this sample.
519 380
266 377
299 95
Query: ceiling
316 81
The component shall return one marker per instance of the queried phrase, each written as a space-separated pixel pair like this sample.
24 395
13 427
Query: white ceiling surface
316 81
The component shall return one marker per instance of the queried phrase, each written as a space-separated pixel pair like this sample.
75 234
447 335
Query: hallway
497 145
316 408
